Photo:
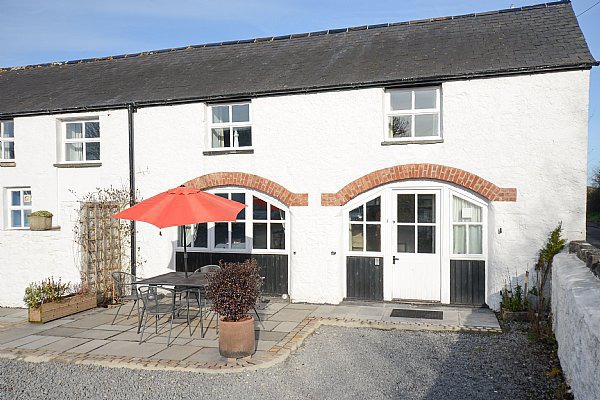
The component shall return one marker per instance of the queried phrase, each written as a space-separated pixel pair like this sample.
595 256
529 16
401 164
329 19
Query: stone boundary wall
576 317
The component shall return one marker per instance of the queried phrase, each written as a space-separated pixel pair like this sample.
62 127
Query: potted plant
234 291
515 305
50 300
40 221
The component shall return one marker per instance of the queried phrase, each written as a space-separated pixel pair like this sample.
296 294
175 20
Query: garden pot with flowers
234 291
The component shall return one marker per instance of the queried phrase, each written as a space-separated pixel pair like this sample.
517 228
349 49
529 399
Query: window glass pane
356 237
277 236
220 137
260 236
15 218
240 198
465 211
74 131
220 114
8 129
188 236
406 208
243 138
374 210
221 235
475 239
201 235
426 125
9 151
357 214
401 100
259 208
92 130
425 98
240 113
238 235
27 197
400 126
426 208
405 239
426 239
277 213
15 198
92 151
373 237
223 195
74 151
26 214
460 239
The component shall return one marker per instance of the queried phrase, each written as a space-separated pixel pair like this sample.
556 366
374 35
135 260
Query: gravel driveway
334 363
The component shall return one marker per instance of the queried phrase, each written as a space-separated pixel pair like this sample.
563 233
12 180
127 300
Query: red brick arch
419 171
256 182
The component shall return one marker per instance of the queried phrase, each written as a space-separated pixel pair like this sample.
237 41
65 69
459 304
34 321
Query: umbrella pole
185 262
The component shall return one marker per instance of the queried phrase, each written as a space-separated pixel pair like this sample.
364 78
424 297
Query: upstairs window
230 126
18 207
467 227
7 141
81 141
413 114
364 223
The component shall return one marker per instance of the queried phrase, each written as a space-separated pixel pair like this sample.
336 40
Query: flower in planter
42 213
234 289
47 291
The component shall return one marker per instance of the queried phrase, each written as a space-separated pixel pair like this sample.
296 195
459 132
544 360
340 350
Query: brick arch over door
419 171
250 181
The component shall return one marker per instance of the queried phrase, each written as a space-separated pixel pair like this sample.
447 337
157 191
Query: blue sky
41 31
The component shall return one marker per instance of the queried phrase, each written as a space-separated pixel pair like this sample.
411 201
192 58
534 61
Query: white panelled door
415 247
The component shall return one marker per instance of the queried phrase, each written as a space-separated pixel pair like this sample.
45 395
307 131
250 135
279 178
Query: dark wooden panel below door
467 282
364 278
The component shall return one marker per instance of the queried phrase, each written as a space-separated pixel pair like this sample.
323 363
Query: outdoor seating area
91 337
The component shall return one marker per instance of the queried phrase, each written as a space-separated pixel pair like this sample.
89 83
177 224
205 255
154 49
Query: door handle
394 259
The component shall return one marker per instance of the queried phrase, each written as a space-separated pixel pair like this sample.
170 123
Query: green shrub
42 213
47 291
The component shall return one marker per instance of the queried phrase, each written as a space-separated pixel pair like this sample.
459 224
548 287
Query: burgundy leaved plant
234 289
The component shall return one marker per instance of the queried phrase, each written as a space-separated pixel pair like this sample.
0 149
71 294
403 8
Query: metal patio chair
126 291
160 301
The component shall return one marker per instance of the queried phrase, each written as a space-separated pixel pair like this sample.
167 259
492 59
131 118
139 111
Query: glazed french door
415 248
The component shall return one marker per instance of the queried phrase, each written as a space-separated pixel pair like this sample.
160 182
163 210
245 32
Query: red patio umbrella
182 206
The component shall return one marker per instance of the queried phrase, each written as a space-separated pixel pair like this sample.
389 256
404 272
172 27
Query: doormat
408 313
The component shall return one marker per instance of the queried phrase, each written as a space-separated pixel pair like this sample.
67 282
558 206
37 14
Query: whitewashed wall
575 299
528 132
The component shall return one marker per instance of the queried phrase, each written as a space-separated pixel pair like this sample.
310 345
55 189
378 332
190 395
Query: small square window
230 126
7 141
413 114
81 141
18 207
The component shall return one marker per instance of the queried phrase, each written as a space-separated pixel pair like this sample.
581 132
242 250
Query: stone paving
91 338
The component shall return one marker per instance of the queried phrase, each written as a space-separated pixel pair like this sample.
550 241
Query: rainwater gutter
131 109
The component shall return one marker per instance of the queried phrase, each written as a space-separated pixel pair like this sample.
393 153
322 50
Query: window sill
412 141
54 228
227 151
8 164
78 165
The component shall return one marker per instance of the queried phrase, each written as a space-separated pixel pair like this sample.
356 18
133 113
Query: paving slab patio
91 337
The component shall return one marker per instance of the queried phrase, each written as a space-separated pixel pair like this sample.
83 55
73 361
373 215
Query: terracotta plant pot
40 223
236 339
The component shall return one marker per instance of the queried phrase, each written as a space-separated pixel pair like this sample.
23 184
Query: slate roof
544 37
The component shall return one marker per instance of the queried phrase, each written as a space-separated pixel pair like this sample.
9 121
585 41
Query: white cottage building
424 160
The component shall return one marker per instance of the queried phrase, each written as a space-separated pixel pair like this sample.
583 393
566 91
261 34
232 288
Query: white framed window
18 207
413 114
364 227
81 141
467 227
260 227
230 125
7 140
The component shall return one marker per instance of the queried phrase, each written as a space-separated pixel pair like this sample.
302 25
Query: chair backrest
153 296
209 268
124 283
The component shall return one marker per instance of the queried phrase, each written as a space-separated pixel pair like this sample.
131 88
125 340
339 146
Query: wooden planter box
521 316
67 306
